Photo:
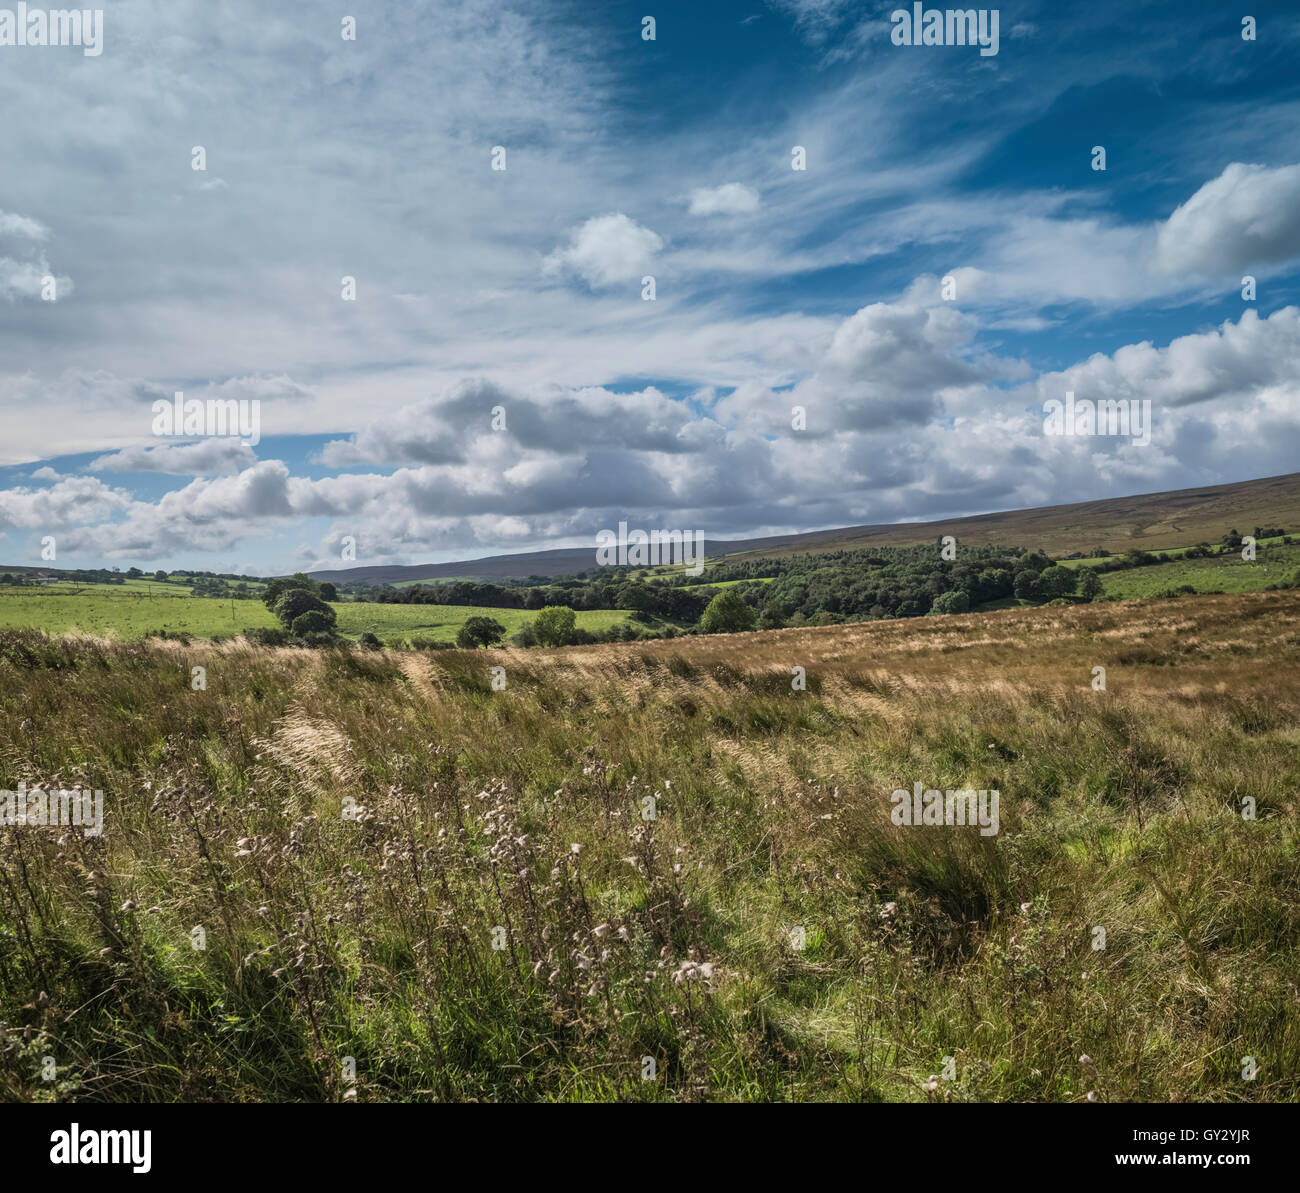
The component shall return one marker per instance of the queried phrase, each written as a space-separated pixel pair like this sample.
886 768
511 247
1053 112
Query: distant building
45 578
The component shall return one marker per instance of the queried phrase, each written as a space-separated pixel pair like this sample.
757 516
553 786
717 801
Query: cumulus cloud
445 429
208 457
1248 216
1236 365
906 421
606 250
1030 254
72 501
887 365
731 198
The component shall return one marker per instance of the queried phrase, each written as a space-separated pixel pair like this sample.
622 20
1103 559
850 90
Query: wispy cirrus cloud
520 287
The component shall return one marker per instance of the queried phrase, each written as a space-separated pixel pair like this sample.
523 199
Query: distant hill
1148 520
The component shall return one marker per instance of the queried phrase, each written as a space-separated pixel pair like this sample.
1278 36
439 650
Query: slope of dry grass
769 935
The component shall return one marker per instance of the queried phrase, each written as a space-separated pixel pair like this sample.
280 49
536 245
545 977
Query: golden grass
670 938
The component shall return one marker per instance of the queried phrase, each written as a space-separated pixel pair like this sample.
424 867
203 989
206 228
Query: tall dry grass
453 942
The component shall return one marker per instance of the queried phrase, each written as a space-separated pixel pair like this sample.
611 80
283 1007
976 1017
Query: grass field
127 612
730 583
1166 553
498 921
442 621
1220 573
131 613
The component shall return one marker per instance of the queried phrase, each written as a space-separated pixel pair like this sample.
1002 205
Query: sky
869 339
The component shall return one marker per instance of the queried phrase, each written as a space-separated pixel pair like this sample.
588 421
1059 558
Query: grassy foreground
514 819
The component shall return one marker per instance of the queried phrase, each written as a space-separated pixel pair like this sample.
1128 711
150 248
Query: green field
134 587
1220 573
131 612
1163 553
126 612
729 583
442 621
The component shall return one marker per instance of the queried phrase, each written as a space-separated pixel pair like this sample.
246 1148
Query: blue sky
520 290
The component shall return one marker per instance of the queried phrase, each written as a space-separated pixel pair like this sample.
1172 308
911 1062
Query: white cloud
731 198
906 420
236 294
608 249
84 410
208 457
1236 365
72 501
1248 216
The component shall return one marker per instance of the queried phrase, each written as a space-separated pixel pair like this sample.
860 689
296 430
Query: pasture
131 612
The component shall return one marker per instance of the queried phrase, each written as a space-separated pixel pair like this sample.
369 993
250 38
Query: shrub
480 631
313 621
1088 584
268 636
1026 586
956 601
554 625
422 642
297 602
369 641
1056 581
825 617
727 613
276 589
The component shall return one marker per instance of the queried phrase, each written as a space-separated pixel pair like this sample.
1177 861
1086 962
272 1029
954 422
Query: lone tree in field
277 588
554 625
480 631
290 597
727 613
294 604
